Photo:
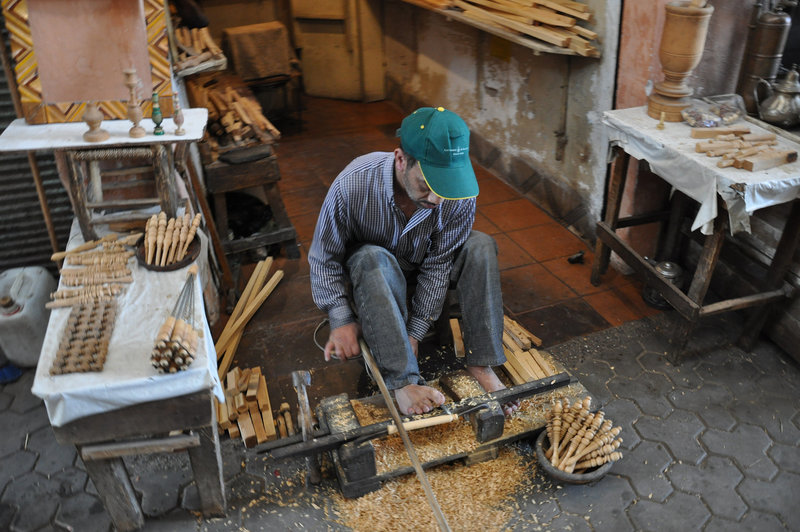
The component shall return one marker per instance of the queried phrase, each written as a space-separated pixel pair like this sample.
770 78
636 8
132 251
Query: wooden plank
563 9
114 488
537 32
266 409
206 461
712 132
535 340
578 43
516 333
147 446
251 395
253 284
233 431
521 370
243 379
281 427
546 366
531 364
258 423
222 415
769 159
576 6
512 373
458 340
247 430
240 403
529 14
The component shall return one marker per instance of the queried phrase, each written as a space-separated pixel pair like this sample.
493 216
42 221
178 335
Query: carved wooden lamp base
671 107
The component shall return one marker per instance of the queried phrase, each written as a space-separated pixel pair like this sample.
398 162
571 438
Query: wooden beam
128 448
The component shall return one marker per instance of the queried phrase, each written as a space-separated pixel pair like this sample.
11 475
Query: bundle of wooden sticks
166 241
579 439
177 340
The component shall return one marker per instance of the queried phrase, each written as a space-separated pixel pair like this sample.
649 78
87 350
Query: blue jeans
379 295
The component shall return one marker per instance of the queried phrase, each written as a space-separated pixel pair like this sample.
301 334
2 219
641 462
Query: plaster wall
535 119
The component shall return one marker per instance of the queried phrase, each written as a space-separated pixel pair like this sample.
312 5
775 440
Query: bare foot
487 378
416 399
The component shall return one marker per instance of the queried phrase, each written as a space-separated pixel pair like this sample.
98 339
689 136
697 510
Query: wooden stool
222 177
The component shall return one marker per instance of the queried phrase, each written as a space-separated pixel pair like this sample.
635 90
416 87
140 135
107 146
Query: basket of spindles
169 243
578 446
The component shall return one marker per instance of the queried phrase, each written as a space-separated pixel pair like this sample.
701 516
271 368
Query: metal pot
669 271
782 105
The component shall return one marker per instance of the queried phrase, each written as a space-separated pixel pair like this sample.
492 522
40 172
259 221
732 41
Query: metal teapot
782 106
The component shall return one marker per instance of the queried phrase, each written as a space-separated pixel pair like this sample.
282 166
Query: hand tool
301 379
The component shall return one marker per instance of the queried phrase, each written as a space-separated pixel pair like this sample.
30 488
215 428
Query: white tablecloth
671 154
128 378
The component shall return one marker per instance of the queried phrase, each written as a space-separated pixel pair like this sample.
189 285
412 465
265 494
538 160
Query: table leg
616 186
670 248
207 467
790 237
221 215
116 491
699 287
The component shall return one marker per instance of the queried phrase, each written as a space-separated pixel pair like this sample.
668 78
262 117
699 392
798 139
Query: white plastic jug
23 316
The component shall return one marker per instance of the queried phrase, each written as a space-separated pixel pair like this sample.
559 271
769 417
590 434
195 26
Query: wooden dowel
248 312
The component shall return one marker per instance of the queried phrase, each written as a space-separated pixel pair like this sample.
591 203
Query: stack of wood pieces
255 293
739 148
235 117
524 363
98 269
197 51
166 240
246 412
579 439
551 21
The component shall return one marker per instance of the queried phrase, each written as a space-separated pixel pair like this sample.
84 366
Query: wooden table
726 198
129 408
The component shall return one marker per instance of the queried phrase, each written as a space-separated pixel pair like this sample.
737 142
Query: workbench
128 407
726 197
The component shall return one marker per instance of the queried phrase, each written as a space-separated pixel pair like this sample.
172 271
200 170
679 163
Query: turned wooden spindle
167 241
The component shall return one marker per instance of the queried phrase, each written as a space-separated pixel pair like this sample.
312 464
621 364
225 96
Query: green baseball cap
439 140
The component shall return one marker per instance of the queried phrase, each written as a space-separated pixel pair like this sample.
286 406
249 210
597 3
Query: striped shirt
360 209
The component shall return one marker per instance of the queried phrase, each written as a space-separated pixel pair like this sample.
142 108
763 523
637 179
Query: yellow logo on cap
440 108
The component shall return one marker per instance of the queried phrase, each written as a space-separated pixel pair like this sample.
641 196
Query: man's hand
414 345
343 342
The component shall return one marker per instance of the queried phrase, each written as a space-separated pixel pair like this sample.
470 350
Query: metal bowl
590 475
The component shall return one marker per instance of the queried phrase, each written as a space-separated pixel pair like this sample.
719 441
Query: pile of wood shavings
476 497
442 440
429 443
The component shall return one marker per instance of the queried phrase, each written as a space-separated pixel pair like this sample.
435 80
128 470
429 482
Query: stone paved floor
712 444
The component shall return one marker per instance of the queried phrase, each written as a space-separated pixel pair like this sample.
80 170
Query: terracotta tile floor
547 294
